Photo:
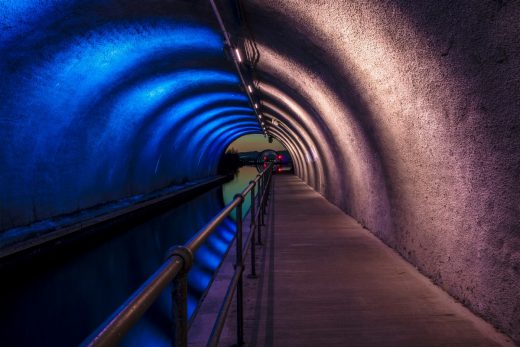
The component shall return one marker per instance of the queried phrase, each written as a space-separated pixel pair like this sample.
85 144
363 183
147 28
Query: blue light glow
108 125
219 245
213 136
100 102
189 108
199 279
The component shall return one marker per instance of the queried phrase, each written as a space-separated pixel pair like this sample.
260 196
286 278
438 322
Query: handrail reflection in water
176 268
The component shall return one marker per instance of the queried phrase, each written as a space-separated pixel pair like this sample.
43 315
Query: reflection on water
240 181
59 302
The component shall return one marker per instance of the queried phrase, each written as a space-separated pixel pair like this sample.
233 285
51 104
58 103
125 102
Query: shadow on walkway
326 281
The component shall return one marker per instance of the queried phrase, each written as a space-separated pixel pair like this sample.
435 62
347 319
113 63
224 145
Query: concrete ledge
98 220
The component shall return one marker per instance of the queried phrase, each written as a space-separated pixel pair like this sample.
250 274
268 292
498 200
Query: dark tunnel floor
326 281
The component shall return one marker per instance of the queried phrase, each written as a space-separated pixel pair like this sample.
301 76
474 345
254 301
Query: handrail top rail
115 327
199 238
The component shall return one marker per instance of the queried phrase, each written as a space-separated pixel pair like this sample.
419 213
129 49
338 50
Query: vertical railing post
260 189
267 181
180 311
180 297
252 229
239 267
271 186
264 191
259 210
268 178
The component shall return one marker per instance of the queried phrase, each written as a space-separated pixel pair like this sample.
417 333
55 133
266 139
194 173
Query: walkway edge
53 237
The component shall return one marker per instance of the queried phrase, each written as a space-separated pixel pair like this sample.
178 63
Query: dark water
240 181
61 303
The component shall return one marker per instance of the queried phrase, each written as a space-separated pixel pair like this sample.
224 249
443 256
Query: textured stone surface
106 100
413 111
301 298
403 113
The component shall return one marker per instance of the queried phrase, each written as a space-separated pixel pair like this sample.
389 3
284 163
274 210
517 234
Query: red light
280 157
279 169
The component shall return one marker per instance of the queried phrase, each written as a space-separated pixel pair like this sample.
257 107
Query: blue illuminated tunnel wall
102 100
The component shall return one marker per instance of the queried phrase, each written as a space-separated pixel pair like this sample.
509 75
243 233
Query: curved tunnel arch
401 108
111 97
295 143
344 142
288 145
299 112
300 168
292 141
300 135
412 115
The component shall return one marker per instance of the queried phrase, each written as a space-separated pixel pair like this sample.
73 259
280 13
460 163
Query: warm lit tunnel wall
403 113
406 114
104 100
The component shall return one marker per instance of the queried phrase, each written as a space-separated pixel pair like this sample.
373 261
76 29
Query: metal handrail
176 268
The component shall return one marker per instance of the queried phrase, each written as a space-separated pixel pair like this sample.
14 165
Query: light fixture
256 105
260 116
250 88
275 122
237 53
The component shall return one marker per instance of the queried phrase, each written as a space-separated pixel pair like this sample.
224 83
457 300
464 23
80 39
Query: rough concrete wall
414 107
103 100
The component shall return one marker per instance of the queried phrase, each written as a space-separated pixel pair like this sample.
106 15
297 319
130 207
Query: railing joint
239 196
185 254
175 271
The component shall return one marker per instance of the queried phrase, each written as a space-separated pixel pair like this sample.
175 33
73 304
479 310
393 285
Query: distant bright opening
257 151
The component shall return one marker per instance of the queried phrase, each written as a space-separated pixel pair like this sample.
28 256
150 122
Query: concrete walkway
326 281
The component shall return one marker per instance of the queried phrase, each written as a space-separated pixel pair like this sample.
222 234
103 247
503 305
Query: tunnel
404 114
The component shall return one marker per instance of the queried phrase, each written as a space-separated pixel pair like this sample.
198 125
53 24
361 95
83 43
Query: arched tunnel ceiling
402 113
405 115
104 100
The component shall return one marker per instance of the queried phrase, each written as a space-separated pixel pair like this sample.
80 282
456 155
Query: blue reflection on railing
90 113
96 280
